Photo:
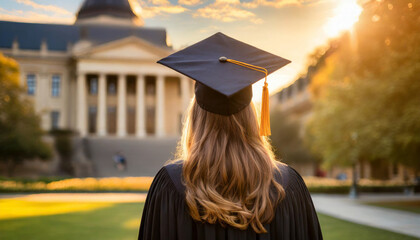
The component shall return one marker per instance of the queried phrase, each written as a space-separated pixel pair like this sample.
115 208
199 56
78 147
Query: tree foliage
286 140
367 94
20 132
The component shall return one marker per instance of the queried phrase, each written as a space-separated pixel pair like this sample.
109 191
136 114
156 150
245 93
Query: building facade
99 76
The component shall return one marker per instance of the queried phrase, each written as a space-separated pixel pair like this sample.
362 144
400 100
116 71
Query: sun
346 14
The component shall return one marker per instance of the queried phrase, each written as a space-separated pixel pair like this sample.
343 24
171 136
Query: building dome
118 10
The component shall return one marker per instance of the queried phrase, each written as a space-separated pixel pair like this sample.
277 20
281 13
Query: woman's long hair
228 169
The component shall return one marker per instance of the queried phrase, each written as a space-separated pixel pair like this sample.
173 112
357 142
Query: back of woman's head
228 169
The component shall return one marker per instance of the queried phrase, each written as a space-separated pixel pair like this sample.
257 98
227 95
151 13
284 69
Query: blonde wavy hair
228 169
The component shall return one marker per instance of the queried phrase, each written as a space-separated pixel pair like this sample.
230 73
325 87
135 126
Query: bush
142 184
334 186
78 185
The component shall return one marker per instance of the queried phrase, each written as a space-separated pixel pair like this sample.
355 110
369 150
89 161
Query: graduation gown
165 213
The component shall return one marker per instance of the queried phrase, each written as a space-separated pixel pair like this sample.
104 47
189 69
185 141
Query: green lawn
408 206
121 221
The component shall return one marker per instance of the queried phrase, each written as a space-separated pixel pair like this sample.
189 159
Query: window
112 88
93 86
31 84
55 117
111 84
93 109
150 85
111 119
92 117
55 85
131 85
150 119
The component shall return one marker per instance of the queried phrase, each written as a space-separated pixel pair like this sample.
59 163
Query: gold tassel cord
265 129
265 110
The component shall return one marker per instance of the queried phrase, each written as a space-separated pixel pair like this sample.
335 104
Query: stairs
144 156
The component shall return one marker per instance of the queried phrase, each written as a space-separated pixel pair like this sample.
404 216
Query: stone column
140 105
160 106
122 107
42 96
185 92
101 118
81 104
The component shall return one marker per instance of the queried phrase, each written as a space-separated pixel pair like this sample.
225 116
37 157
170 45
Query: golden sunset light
209 119
346 14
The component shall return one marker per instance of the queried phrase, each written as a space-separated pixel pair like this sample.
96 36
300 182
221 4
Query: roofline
160 50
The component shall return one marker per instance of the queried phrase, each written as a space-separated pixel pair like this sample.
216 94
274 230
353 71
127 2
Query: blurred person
320 173
120 161
226 182
342 176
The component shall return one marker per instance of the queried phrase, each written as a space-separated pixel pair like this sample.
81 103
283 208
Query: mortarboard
224 70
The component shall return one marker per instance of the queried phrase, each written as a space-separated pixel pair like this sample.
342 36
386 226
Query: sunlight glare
135 5
22 208
346 14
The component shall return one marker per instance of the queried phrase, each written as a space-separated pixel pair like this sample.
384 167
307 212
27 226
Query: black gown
165 213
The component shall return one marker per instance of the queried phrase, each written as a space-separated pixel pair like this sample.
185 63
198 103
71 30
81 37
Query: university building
99 76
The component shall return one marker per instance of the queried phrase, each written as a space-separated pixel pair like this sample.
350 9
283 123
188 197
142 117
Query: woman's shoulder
287 176
173 170
167 180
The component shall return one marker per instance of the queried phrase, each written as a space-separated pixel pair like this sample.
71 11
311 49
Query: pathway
342 207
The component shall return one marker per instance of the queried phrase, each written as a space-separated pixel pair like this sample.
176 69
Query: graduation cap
224 70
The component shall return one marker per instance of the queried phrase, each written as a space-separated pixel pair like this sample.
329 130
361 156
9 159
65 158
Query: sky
291 29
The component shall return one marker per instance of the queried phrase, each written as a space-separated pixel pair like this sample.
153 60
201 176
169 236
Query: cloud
135 5
279 3
234 2
30 16
152 11
221 10
160 2
189 2
227 11
151 8
211 28
48 8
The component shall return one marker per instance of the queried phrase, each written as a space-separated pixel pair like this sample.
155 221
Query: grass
85 221
106 222
408 206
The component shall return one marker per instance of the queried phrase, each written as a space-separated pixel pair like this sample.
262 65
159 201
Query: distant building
99 76
295 102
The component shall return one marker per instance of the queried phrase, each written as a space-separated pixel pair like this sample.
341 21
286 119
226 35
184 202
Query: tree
286 140
366 95
20 132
